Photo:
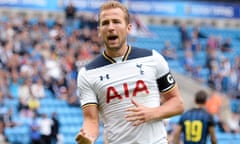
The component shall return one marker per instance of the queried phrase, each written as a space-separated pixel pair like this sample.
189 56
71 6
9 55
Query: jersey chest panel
120 81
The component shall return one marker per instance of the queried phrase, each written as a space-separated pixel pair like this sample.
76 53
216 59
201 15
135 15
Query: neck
200 106
117 52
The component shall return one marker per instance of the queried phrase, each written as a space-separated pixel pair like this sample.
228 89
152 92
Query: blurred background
44 43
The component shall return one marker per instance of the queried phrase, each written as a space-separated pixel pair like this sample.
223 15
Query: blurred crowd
39 55
219 59
212 53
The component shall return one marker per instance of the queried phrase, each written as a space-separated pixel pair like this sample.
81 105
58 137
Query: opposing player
131 88
196 124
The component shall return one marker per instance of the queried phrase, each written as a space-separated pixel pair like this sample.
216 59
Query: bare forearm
169 108
91 121
91 128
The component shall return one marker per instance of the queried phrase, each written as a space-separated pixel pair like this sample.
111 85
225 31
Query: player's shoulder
196 111
190 112
137 52
99 61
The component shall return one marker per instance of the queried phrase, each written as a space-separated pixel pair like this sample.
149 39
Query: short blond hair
114 4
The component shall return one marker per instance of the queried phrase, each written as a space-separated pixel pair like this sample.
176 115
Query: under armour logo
104 77
140 67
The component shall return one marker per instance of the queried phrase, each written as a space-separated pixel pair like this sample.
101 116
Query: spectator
189 63
33 104
25 89
233 122
55 128
211 60
214 103
4 81
212 43
3 106
195 40
35 135
184 33
138 28
236 70
224 73
227 45
168 51
45 124
233 82
222 125
8 120
23 108
70 12
37 89
197 32
3 137
61 89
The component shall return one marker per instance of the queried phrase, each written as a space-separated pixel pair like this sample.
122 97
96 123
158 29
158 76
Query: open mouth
112 38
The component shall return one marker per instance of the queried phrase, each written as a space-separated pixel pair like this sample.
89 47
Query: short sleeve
162 65
86 92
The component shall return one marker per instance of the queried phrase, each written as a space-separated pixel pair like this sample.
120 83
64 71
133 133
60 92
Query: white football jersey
109 84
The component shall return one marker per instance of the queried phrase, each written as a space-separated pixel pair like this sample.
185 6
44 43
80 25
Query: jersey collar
123 59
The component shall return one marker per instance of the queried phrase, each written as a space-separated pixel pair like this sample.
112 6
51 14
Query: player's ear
129 28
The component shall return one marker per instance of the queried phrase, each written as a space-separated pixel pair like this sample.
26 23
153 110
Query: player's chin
113 43
114 47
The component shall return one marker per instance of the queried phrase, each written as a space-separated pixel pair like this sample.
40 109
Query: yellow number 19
193 130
